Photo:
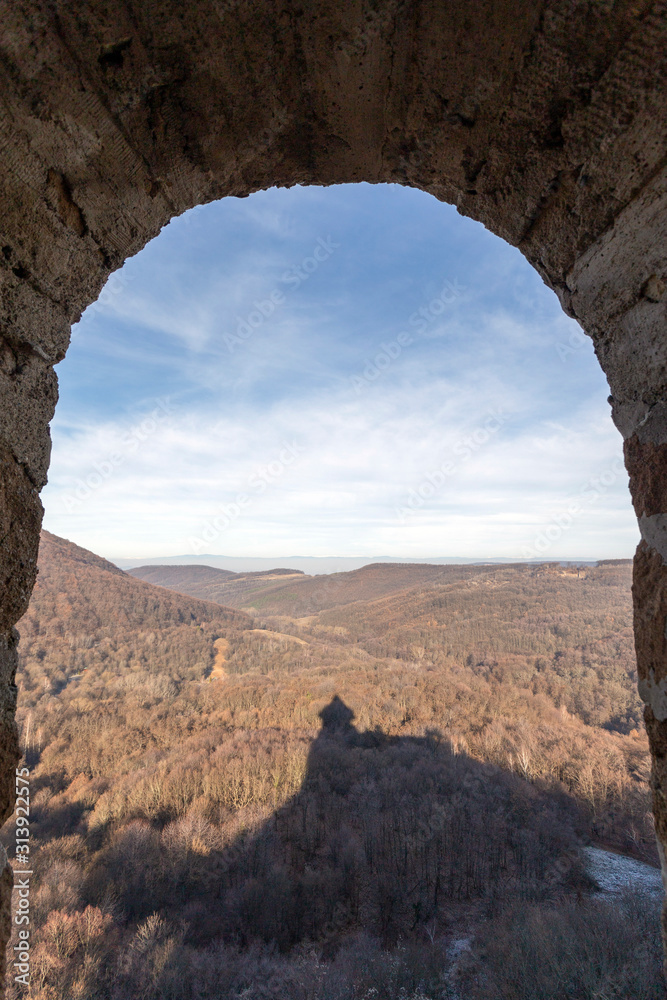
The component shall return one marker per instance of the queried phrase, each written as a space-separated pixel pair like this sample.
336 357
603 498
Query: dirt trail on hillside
218 673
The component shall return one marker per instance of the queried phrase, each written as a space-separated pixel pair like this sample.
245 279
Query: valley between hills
317 786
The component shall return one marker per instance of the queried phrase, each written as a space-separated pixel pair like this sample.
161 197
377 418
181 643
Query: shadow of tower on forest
388 834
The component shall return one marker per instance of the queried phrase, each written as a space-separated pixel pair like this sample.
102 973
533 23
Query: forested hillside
315 807
221 585
562 631
293 593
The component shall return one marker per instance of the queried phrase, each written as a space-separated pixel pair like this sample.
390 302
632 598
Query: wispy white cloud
361 451
358 460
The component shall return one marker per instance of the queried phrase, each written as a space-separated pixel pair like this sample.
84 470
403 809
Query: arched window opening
369 680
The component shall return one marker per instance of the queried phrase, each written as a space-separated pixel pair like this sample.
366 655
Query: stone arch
544 121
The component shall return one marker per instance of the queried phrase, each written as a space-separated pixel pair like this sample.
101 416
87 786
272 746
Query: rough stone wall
543 120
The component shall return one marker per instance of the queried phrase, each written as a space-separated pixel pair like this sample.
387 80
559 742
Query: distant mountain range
317 565
290 592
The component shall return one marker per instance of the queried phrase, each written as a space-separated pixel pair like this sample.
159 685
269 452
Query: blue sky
354 370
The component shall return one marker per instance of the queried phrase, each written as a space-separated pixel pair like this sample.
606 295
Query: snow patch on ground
454 953
614 873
